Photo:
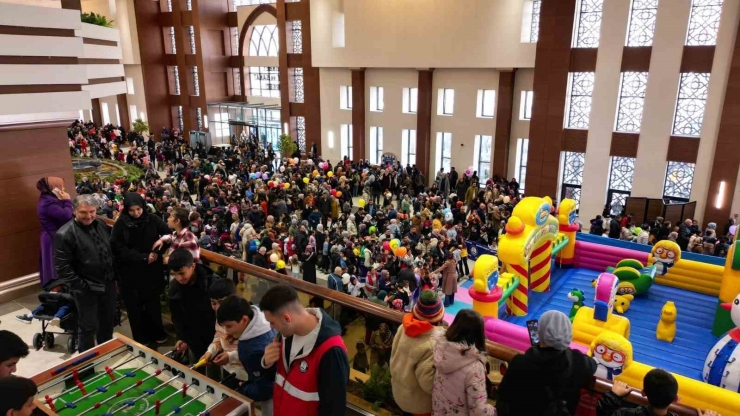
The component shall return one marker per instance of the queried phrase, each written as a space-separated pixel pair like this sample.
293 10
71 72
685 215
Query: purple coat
53 213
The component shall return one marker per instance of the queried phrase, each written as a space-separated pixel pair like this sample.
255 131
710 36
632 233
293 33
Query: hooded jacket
412 365
252 343
609 404
460 380
191 310
564 371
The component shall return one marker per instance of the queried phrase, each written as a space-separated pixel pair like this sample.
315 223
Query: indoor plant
96 19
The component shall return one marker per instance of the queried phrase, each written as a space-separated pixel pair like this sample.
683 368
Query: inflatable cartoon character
666 330
622 303
722 366
612 353
665 254
575 296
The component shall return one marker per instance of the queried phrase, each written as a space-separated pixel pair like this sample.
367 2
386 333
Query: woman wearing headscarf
54 210
139 268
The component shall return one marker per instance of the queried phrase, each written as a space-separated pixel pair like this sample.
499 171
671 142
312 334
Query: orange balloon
401 251
339 194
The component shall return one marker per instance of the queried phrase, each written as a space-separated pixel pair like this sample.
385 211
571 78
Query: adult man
258 259
311 358
684 233
12 349
84 261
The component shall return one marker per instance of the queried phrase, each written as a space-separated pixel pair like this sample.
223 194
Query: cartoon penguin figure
722 366
665 256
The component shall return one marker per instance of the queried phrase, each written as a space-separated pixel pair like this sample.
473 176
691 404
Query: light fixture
205 120
285 128
720 196
331 139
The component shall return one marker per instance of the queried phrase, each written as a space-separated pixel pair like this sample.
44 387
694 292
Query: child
355 287
661 389
246 322
17 397
12 349
360 363
223 349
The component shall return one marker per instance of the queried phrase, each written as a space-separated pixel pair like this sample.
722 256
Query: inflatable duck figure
622 303
612 353
575 296
666 330
664 255
722 366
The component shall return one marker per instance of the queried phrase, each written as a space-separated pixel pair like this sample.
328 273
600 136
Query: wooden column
123 111
285 115
550 88
424 121
358 114
96 115
504 112
311 83
726 155
72 4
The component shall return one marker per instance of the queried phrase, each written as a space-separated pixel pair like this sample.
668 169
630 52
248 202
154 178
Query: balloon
372 229
324 165
446 211
291 161
507 199
339 194
315 173
286 185
264 176
282 168
295 160
400 251
386 246
330 174
468 172
333 192
356 251
305 180
279 265
361 203
394 244
274 257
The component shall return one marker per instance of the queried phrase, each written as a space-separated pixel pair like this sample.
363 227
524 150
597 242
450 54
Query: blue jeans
61 313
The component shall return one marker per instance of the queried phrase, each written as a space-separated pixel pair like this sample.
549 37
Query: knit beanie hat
429 308
555 330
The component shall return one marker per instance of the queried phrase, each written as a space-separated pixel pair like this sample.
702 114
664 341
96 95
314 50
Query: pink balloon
386 246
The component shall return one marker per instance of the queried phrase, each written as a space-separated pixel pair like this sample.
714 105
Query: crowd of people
379 232
688 234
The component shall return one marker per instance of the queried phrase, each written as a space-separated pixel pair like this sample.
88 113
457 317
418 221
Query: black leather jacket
76 256
609 405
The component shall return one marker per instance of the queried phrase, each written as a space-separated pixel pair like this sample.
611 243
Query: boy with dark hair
660 388
310 357
12 349
245 322
17 396
190 304
223 349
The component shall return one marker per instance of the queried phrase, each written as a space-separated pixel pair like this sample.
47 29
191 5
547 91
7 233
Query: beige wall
137 98
519 128
332 117
421 34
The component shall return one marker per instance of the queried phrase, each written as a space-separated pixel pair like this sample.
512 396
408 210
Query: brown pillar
726 156
72 4
311 83
550 87
358 114
504 108
424 121
285 115
123 111
96 115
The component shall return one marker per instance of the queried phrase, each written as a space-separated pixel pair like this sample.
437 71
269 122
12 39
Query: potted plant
140 126
375 392
286 145
96 19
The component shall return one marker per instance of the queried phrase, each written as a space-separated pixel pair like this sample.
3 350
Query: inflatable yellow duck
666 330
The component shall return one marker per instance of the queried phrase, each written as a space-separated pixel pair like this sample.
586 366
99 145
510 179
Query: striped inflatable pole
540 267
518 302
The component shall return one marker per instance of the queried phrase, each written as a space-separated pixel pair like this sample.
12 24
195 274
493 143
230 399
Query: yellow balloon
305 180
330 174
361 203
279 265
286 185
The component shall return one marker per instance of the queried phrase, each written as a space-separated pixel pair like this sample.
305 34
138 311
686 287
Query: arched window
264 41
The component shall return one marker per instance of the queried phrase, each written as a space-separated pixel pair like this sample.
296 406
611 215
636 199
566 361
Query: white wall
332 117
421 34
138 98
523 81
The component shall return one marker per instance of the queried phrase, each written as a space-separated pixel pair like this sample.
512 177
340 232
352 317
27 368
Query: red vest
296 390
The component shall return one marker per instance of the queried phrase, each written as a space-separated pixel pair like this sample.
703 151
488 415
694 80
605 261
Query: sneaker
24 318
162 339
55 322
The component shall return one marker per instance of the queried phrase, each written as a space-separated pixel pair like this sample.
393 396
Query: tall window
129 85
525 105
298 85
199 118
482 157
180 122
679 178
300 132
410 100
692 100
345 135
631 101
376 99
196 82
642 22
221 124
704 22
173 43
522 150
579 102
444 151
572 179
445 101
191 29
376 145
486 103
104 111
531 21
264 41
408 147
132 114
588 23
345 97
621 174
296 35
264 81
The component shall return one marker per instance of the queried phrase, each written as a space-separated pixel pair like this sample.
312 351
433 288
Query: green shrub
96 19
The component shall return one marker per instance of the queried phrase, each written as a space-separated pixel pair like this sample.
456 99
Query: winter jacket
252 343
79 260
460 380
224 342
609 403
565 372
412 365
191 310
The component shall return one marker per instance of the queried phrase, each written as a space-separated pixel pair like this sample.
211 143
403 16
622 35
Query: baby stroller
55 297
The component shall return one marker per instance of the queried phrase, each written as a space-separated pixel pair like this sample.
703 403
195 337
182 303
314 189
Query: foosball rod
159 402
152 391
118 394
75 363
207 412
96 378
104 388
179 408
68 376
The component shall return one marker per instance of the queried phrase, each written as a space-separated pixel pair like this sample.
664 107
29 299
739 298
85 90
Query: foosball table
123 377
